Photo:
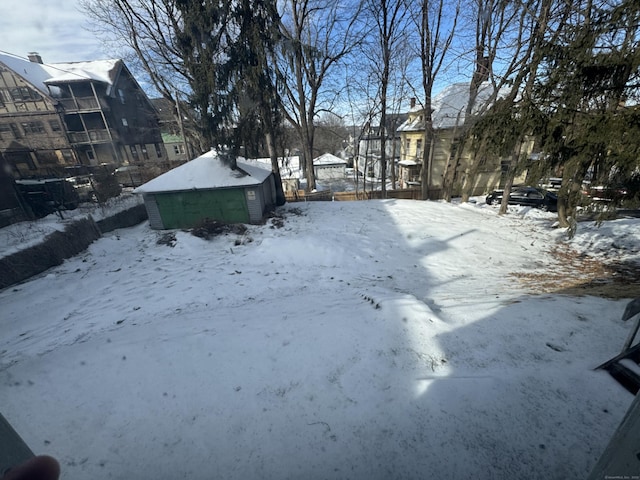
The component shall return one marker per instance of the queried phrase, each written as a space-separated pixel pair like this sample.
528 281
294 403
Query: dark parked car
527 196
605 194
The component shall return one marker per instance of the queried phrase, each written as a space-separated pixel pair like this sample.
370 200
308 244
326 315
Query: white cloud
54 28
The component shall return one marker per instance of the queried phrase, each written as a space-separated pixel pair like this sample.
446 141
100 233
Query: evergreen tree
583 91
226 47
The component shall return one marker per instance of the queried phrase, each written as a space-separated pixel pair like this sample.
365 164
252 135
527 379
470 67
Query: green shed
209 187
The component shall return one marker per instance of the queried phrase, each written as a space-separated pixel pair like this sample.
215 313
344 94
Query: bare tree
142 32
502 31
436 22
389 19
317 36
503 130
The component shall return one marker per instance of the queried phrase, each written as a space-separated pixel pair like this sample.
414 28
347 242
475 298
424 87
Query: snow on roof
206 172
408 163
449 107
40 75
99 70
328 159
289 166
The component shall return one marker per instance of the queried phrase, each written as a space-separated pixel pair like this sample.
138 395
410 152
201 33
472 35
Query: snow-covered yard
364 340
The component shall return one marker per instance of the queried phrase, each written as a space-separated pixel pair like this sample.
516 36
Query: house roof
449 107
206 172
328 159
42 74
104 71
408 163
171 138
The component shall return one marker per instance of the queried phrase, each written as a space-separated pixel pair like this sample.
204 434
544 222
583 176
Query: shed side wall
255 202
155 220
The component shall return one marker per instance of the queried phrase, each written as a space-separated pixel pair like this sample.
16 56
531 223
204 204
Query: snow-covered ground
22 235
363 340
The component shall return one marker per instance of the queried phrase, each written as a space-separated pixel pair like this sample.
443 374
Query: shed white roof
206 172
408 163
328 159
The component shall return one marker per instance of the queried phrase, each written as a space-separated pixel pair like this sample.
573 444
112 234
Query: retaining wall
58 246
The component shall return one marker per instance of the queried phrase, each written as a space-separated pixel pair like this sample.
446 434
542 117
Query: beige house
448 117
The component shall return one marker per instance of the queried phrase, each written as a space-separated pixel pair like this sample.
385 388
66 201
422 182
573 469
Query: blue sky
54 28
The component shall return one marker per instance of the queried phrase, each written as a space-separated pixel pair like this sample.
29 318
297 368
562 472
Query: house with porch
59 115
448 117
368 160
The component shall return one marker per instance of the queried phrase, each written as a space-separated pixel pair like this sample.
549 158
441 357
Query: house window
90 155
418 147
19 94
47 157
124 122
407 145
20 161
55 125
144 152
158 150
15 130
178 149
5 129
121 96
32 127
67 155
134 152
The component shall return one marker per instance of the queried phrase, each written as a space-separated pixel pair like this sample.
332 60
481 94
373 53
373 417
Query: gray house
209 188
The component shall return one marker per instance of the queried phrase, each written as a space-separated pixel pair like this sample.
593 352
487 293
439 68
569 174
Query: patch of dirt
578 274
209 228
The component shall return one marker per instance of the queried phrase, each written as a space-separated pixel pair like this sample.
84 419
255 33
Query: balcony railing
92 136
79 103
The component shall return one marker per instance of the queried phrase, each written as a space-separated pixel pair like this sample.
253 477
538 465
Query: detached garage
209 188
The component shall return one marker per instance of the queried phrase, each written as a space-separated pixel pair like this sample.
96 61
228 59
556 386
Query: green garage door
187 209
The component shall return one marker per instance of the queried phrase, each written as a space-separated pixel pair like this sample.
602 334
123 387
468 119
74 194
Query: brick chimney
35 57
413 101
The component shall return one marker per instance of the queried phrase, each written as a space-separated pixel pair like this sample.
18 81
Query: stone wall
58 246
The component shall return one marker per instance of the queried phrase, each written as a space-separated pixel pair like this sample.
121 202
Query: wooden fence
329 196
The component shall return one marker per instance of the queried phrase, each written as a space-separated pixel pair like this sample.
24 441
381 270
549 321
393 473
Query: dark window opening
32 127
47 157
19 94
15 130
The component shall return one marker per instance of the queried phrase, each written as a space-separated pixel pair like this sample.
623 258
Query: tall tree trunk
427 159
275 168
